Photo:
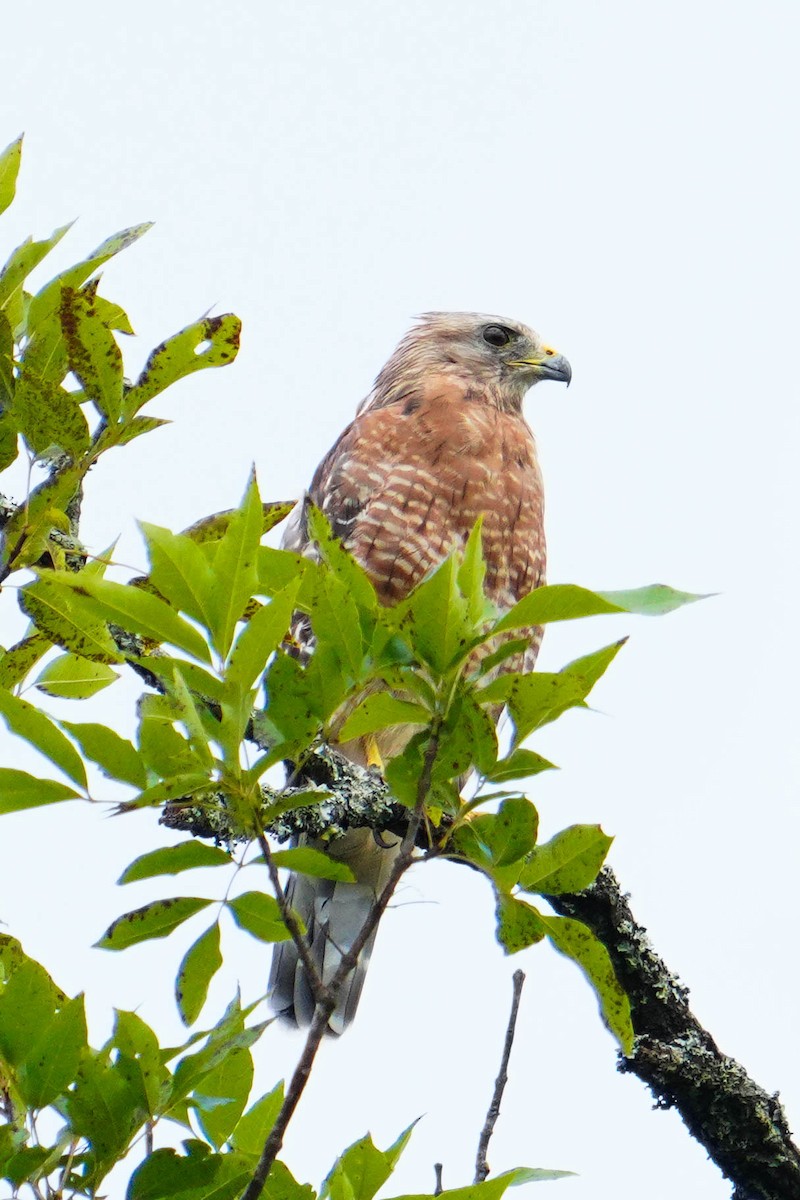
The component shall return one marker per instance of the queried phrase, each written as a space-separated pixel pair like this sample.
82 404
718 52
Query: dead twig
481 1165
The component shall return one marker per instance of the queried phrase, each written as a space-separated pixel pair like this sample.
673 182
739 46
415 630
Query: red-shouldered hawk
439 441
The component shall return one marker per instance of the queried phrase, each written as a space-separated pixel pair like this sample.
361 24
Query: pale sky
622 177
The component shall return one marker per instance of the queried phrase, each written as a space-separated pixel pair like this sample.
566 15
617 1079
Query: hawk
438 442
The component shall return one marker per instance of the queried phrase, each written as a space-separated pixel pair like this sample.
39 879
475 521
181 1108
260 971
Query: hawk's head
496 357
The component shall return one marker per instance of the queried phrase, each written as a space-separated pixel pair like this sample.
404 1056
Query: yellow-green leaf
74 678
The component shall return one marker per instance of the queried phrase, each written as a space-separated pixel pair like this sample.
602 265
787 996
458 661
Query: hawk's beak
548 365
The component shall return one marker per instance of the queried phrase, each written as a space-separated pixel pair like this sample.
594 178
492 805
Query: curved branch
742 1127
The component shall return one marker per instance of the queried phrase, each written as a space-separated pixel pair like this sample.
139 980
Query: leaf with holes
209 342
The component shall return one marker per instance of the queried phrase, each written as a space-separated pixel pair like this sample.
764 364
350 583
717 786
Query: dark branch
742 1127
481 1165
328 996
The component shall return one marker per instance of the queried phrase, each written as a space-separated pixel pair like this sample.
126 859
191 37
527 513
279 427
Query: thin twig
481 1165
290 921
328 996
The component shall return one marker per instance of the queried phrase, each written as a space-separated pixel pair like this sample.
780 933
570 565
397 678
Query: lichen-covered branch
338 796
743 1128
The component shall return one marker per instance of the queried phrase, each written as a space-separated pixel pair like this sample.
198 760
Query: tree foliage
226 698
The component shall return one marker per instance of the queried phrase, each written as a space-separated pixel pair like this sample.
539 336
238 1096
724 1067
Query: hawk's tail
333 914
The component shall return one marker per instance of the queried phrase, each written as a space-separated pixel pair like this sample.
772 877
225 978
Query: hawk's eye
496 335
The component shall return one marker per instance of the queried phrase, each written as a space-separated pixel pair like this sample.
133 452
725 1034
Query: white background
621 176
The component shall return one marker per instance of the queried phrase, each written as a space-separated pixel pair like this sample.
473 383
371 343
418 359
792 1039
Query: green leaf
361 1171
200 1175
652 601
380 711
576 941
104 1107
132 609
29 1001
170 860
179 571
569 862
277 569
227 1086
16 663
210 342
472 577
566 602
235 570
9 444
20 264
19 790
226 1035
179 787
165 751
68 620
252 1130
259 915
155 920
134 428
28 529
308 861
519 765
37 729
344 567
534 700
200 964
135 1040
291 707
510 833
51 1061
114 756
112 315
591 667
74 678
9 169
48 416
467 738
93 354
262 634
48 299
494 1187
436 618
518 924
196 678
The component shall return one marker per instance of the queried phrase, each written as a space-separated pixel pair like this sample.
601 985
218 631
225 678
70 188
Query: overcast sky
622 177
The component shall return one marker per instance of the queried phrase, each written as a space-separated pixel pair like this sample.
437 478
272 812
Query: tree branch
328 996
481 1165
742 1127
